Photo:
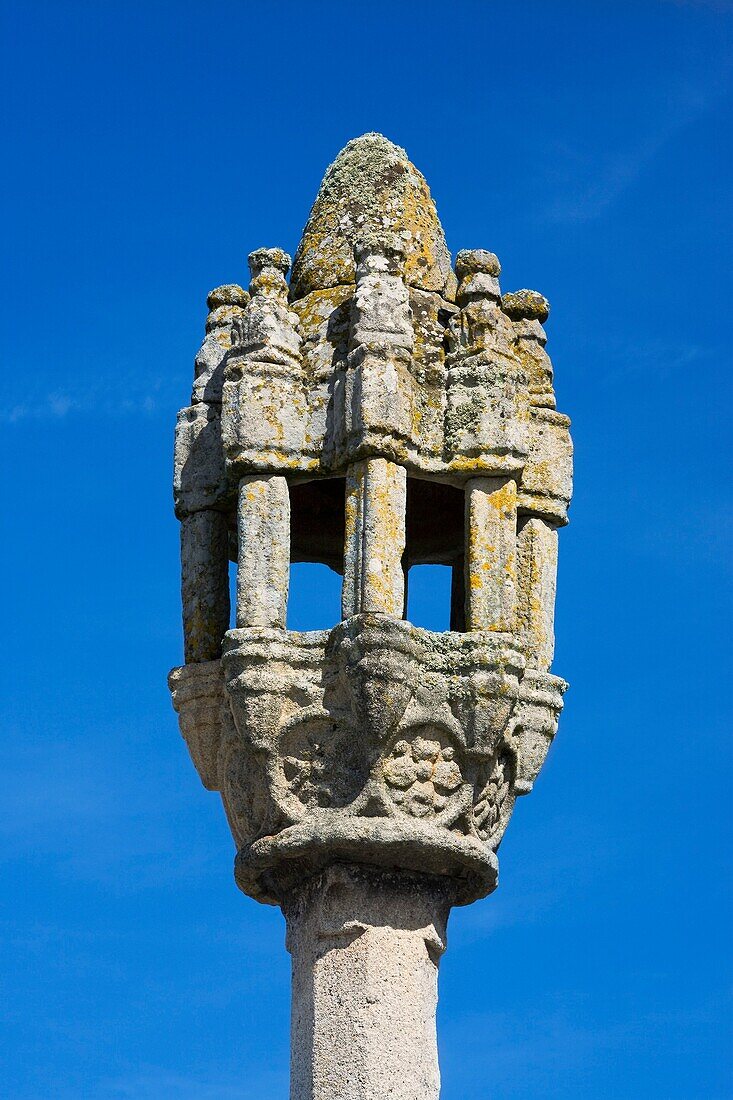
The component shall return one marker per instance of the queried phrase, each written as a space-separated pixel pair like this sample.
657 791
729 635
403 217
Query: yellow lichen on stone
371 189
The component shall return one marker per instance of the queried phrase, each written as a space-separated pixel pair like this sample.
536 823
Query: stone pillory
383 410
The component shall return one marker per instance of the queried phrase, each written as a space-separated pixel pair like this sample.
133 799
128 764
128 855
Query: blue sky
148 148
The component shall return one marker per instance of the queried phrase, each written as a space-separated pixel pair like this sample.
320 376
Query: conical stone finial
371 189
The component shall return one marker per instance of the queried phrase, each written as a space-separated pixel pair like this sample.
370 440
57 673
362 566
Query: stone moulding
375 743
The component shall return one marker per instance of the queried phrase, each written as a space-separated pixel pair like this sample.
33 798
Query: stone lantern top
381 411
378 412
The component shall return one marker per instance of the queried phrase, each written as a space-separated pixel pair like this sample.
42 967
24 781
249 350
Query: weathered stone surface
379 413
526 305
199 477
226 307
547 479
264 414
371 186
478 273
378 741
491 553
354 370
375 538
204 583
379 389
535 724
487 409
365 952
537 578
263 566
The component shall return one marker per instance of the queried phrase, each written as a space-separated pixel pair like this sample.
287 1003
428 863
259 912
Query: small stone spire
380 412
529 311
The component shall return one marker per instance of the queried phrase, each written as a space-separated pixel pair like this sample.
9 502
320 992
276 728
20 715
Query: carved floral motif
492 805
421 775
319 766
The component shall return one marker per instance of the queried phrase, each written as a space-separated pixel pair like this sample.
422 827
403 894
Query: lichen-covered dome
371 188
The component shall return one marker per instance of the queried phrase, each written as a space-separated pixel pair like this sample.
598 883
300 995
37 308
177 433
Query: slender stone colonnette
382 410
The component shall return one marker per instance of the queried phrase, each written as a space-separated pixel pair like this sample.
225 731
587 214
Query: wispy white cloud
658 357
111 395
559 1044
589 183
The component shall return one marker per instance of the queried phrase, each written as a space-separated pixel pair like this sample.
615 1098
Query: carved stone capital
377 743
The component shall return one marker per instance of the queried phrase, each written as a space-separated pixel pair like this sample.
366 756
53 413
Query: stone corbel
241 770
380 666
535 724
198 693
267 671
486 702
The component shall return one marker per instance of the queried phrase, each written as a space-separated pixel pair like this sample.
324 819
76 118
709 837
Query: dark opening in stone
317 522
435 536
